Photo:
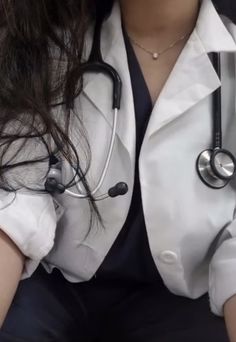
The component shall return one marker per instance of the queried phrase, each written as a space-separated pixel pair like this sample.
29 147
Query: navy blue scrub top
130 258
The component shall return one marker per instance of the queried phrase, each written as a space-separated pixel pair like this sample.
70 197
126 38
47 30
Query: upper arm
11 266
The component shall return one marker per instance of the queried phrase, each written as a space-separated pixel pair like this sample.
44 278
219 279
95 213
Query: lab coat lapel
98 88
193 77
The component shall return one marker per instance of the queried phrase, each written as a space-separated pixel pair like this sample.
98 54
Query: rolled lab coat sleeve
30 221
222 275
28 216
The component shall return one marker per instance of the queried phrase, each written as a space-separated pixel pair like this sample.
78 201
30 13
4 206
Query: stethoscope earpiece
119 189
53 187
216 167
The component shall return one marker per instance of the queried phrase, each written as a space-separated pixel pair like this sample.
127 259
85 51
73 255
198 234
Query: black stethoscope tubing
95 64
216 166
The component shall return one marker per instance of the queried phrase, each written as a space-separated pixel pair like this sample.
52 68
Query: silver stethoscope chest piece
223 164
216 167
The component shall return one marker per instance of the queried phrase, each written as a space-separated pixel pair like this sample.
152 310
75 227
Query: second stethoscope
216 166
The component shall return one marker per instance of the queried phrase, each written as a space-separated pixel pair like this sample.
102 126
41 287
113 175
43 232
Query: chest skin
156 72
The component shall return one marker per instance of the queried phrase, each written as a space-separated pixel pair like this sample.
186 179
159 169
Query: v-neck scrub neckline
130 259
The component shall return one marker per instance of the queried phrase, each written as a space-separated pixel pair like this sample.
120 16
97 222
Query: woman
135 267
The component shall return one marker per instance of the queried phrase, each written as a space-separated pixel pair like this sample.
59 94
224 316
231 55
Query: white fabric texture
191 228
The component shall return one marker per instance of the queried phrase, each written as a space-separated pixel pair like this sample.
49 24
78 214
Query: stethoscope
95 64
216 166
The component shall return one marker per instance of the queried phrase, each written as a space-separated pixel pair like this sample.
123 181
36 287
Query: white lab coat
191 227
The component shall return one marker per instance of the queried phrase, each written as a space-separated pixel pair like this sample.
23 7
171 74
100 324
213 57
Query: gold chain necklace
156 54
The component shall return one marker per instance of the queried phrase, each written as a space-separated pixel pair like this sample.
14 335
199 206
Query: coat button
168 257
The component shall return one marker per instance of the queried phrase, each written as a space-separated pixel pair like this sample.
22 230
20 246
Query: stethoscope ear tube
95 64
102 67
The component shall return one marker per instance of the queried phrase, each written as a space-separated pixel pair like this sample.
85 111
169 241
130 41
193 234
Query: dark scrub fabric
130 257
49 308
126 301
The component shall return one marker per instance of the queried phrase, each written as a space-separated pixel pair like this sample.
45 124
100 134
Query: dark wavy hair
41 50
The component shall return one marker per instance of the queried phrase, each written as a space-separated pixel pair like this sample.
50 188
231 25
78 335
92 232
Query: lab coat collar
193 77
211 31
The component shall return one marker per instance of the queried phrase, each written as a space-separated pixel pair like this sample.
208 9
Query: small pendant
155 55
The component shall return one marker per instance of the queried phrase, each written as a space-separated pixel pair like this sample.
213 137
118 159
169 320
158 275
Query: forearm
230 317
11 266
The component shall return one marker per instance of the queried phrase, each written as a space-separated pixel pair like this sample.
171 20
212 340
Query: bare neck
159 17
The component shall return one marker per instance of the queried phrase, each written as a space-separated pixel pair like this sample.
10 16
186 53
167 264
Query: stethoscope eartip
119 189
53 187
